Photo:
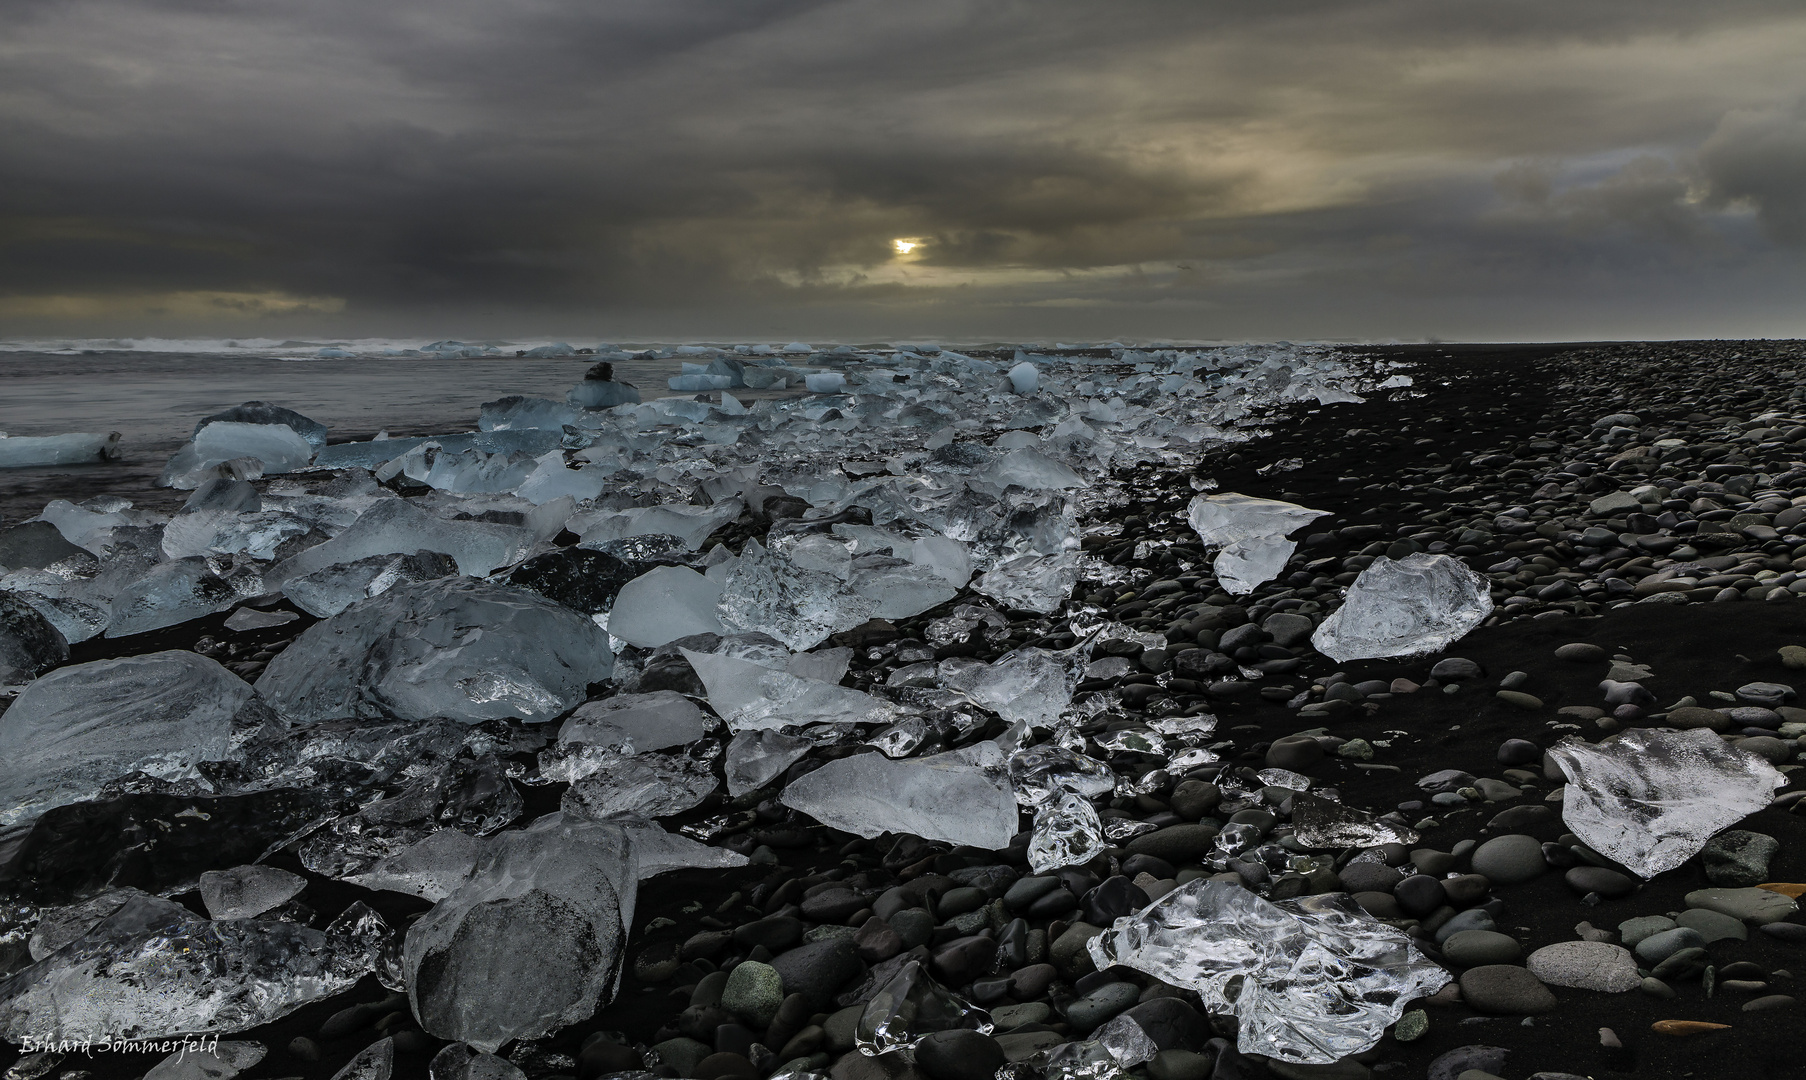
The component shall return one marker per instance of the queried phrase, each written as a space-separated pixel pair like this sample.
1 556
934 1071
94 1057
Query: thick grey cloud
1313 168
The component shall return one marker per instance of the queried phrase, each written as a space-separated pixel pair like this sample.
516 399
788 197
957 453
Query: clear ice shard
275 446
75 448
1067 832
1650 798
749 695
560 893
176 591
757 757
1246 564
431 868
1320 823
1405 607
470 794
220 1061
153 969
1029 683
1043 773
29 643
331 589
648 785
78 727
771 594
1251 535
468 650
962 796
398 527
373 1062
1311 980
664 604
245 892
652 721
1037 583
911 1007
691 524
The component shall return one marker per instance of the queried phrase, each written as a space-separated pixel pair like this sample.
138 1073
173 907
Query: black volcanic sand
1466 401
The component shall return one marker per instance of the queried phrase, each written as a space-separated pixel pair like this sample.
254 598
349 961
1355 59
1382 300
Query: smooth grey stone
1510 860
1758 906
1739 858
1505 990
1656 948
1478 948
1713 925
1632 931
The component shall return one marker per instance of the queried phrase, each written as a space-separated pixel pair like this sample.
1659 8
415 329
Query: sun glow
904 247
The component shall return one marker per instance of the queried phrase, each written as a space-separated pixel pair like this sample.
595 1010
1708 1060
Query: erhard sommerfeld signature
107 1044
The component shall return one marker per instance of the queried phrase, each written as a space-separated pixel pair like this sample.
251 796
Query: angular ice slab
749 695
37 451
1029 683
652 721
1043 773
276 446
153 969
531 942
262 412
245 892
29 643
398 527
78 727
645 785
1405 607
331 589
227 532
1651 798
1037 583
911 1007
468 650
664 604
431 868
1067 832
770 594
173 592
756 758
1251 534
691 524
1312 980
1320 823
962 796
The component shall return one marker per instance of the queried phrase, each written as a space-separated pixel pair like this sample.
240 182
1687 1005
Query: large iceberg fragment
1311 980
275 447
962 796
1251 533
664 604
468 650
174 592
262 412
1651 798
1405 607
153 969
76 448
78 727
558 892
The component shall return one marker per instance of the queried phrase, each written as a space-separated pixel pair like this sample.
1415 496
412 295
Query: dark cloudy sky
744 169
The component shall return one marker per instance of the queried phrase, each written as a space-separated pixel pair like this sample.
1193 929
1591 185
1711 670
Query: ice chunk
1067 833
897 587
262 412
650 721
1246 564
471 795
226 532
1025 378
460 1062
749 695
770 594
1320 823
431 868
330 590
373 1062
247 620
911 1007
582 580
962 796
245 892
1037 583
1405 607
58 926
647 785
467 472
825 382
602 393
225 493
29 643
1029 683
560 893
154 970
1651 798
515 411
1029 469
76 448
691 524
276 447
78 727
176 591
397 527
34 545
664 604
211 1061
553 479
468 650
1311 980
757 757
1251 533
1043 773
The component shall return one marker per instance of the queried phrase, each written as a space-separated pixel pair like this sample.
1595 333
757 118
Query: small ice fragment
1320 823
430 868
245 892
747 695
962 796
909 1008
757 757
1650 798
1029 683
1405 607
1037 583
38 451
825 382
768 593
652 721
208 1061
664 604
647 785
1251 533
1252 561
1043 773
1024 378
1312 980
247 619
1067 833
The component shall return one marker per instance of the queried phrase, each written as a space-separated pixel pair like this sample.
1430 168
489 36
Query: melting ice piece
1089 1059
1651 798
664 604
769 593
691 524
432 868
558 892
245 892
398 527
1405 607
1311 980
174 592
911 1007
757 757
1320 823
1029 684
460 1062
1067 833
331 589
220 1061
1043 773
1251 533
468 650
1248 563
649 721
29 643
275 445
153 969
749 695
76 448
1037 583
649 785
961 796
78 727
